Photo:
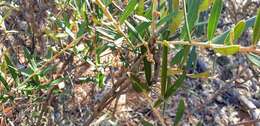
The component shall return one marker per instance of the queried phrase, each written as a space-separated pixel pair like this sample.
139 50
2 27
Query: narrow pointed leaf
239 29
47 70
205 5
128 10
27 54
256 32
4 82
192 58
164 68
192 16
214 17
134 31
147 66
106 32
230 38
255 59
167 18
158 103
101 79
137 85
140 29
199 75
11 69
176 21
177 59
237 32
175 71
140 9
180 112
221 38
173 88
175 5
227 50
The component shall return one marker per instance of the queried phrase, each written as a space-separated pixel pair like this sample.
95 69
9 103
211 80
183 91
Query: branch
242 49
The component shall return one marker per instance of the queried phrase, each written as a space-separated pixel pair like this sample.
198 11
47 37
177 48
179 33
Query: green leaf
148 71
230 38
164 68
177 59
213 19
134 31
205 5
255 59
167 18
83 27
147 66
256 31
12 69
50 52
139 29
186 52
47 70
181 57
158 102
176 21
148 12
78 4
192 16
140 9
101 79
141 18
221 38
227 50
180 112
137 85
238 30
6 15
27 54
83 10
192 58
199 75
56 81
27 71
106 32
102 48
173 88
4 82
128 10
175 5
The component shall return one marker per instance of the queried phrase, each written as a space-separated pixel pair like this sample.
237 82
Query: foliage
139 35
